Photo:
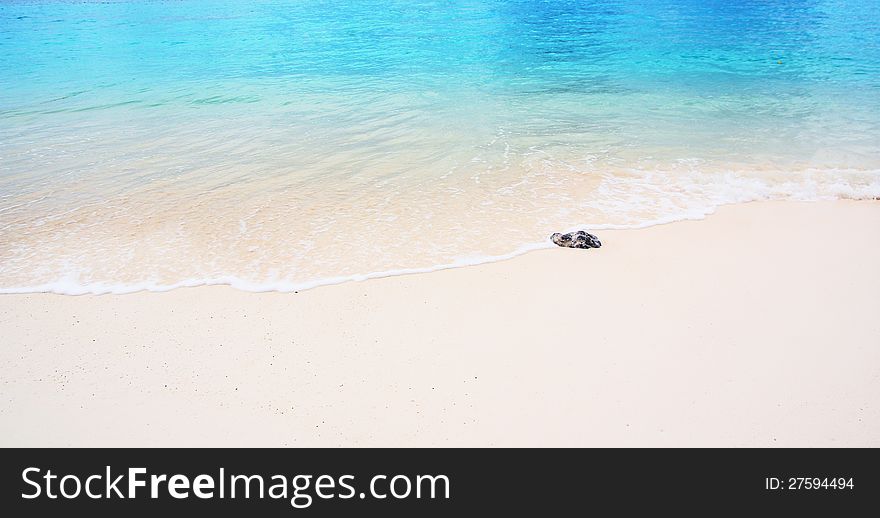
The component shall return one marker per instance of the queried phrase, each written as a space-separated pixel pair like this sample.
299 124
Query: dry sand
759 326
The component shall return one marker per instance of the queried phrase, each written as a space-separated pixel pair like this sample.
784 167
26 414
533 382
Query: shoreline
755 326
98 288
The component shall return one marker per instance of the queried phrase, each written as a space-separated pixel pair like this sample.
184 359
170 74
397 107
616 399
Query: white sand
759 326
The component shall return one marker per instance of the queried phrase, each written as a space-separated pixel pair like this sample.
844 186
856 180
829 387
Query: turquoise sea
283 144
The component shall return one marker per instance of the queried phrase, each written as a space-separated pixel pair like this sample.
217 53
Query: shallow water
285 144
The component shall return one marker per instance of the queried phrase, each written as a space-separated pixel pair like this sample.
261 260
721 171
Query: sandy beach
757 326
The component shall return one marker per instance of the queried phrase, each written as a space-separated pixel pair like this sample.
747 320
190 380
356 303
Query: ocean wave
697 201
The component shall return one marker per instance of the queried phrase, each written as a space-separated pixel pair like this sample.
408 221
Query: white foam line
71 288
67 288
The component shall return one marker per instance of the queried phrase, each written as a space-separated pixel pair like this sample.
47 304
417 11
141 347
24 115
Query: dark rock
579 239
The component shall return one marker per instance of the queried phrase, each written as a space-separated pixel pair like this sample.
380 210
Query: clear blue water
281 144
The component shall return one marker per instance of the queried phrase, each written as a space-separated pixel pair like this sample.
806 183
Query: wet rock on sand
579 239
